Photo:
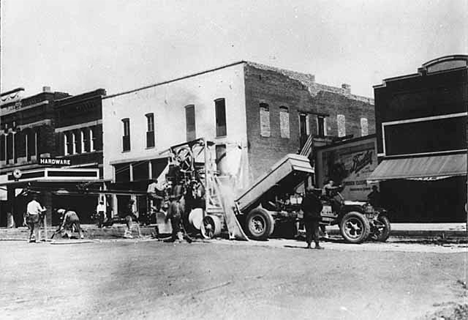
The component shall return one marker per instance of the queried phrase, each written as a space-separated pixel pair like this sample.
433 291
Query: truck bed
292 169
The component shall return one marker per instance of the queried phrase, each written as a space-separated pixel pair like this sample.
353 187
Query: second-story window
341 123
220 106
364 127
126 135
92 139
284 122
2 147
264 120
191 133
150 130
321 126
69 143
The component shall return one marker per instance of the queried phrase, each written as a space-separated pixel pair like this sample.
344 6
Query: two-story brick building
421 139
49 142
254 114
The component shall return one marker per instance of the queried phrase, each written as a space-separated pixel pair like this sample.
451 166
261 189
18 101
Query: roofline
12 91
174 80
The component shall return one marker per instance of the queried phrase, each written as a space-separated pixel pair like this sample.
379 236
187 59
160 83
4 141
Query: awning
420 168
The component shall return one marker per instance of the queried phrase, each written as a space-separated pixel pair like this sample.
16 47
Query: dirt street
135 279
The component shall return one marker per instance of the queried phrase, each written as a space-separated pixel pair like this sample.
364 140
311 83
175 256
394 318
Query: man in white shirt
101 212
34 217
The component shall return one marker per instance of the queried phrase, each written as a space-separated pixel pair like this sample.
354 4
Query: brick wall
300 94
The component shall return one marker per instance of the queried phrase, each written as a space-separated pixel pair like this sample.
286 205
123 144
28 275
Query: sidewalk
399 230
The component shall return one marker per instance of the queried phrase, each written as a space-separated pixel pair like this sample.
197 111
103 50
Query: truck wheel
382 229
354 227
211 227
260 224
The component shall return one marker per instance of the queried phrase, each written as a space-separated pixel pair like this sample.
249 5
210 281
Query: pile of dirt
453 311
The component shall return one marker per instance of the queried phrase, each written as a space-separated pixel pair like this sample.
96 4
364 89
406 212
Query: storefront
56 187
421 141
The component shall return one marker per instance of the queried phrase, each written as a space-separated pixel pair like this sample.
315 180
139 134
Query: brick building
47 142
254 114
421 141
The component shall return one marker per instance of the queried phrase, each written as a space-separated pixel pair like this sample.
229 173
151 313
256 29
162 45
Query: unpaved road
131 279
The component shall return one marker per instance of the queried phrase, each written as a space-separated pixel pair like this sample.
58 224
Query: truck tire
211 227
354 227
259 224
382 232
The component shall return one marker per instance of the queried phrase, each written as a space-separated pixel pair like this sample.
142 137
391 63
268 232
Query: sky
77 46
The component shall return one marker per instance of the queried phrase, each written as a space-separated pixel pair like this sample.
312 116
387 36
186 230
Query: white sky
80 45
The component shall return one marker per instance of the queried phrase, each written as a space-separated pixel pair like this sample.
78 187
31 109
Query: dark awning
420 168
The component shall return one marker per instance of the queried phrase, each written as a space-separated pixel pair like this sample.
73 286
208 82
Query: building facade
254 115
421 140
49 143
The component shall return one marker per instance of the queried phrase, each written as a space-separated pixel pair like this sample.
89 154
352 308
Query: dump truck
273 203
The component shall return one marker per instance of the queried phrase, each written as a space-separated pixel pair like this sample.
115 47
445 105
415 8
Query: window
364 127
69 143
126 135
2 147
303 128
264 120
82 141
150 130
341 123
9 147
321 126
220 106
77 141
190 122
92 139
86 139
284 122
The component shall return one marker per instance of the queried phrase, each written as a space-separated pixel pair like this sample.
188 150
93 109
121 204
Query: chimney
346 87
46 89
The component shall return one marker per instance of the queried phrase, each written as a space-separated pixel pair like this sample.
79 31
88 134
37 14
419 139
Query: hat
61 211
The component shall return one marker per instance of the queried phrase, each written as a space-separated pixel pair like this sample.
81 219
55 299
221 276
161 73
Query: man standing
69 220
374 197
34 215
311 207
101 213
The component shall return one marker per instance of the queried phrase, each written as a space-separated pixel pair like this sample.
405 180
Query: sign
350 165
54 162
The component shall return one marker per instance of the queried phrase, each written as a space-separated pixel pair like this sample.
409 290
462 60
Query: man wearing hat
130 216
34 215
312 206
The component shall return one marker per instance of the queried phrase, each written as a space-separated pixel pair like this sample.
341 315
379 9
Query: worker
34 215
311 207
70 220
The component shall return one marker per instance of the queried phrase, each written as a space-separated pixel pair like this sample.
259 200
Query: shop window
220 106
264 120
190 122
150 141
140 171
341 123
126 135
122 172
364 127
284 122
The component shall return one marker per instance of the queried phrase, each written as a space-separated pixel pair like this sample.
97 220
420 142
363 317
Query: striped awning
427 168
